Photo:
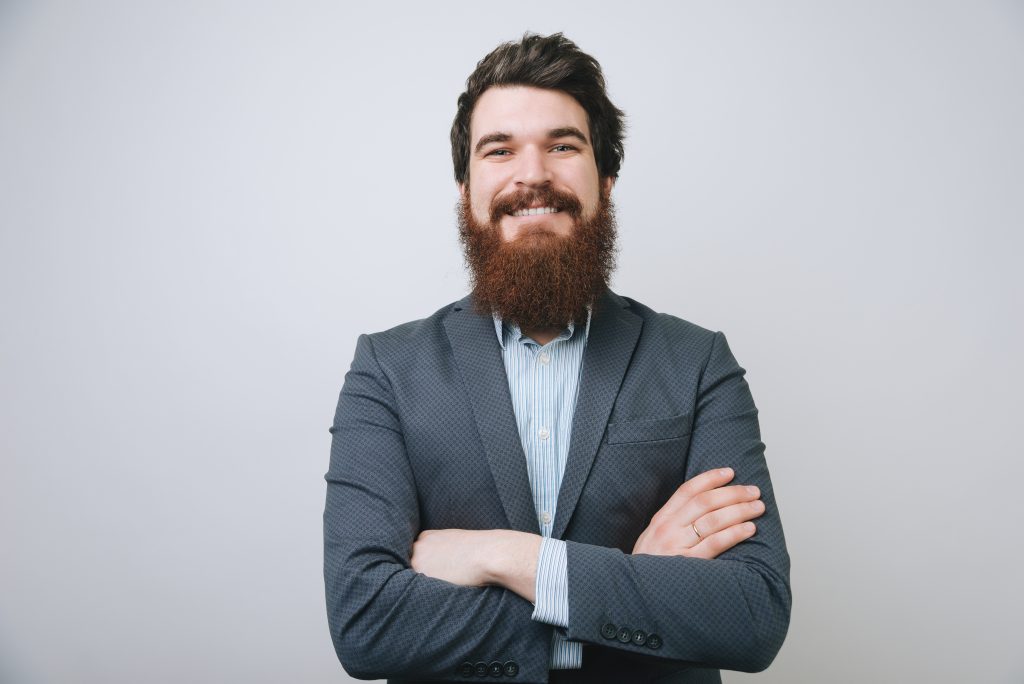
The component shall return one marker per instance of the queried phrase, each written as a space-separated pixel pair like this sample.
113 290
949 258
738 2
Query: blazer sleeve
731 612
385 619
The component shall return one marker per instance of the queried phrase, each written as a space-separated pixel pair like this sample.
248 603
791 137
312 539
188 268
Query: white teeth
535 212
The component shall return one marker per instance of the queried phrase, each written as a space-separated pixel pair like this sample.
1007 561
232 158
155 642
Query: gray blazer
425 438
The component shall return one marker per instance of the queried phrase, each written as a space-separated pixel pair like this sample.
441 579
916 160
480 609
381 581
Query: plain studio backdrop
203 204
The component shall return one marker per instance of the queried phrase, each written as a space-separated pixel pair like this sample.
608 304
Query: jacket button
609 631
639 637
495 669
625 634
480 670
466 669
653 641
511 668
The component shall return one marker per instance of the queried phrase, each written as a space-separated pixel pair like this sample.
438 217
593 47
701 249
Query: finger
720 542
726 517
706 481
712 500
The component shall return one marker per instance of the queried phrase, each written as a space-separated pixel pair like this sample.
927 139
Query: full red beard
539 279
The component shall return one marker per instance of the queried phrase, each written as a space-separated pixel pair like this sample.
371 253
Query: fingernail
753 491
725 472
750 527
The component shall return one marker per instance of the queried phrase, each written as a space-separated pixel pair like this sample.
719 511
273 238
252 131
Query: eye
498 153
563 147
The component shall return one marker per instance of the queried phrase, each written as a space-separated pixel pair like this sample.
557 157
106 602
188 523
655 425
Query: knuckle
710 521
704 500
740 493
682 494
720 474
738 533
717 546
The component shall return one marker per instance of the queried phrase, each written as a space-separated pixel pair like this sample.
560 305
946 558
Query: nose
532 169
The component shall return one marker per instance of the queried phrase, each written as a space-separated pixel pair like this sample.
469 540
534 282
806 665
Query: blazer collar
478 357
613 334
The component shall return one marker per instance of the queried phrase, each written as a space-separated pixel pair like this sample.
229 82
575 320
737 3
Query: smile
535 212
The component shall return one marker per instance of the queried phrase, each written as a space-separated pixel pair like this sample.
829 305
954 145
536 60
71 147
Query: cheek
481 203
481 210
590 201
587 186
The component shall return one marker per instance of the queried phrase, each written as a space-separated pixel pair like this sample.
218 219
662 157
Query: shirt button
545 518
544 358
544 433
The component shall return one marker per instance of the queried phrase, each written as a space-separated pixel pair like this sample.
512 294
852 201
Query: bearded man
546 481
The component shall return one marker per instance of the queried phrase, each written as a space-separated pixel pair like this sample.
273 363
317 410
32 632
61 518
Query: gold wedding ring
694 526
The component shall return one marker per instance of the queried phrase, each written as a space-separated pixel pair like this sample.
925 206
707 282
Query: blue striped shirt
544 381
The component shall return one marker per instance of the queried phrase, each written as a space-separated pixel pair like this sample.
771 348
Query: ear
462 189
606 184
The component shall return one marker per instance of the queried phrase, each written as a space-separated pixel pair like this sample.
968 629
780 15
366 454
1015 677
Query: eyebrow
568 132
563 132
491 138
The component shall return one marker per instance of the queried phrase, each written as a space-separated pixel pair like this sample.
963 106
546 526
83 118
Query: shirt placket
547 439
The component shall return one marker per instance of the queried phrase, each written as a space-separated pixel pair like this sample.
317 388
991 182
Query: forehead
524 111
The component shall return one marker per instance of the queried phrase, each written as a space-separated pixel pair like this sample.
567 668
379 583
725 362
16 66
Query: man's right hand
703 518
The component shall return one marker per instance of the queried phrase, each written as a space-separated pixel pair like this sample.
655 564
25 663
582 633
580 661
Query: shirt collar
510 332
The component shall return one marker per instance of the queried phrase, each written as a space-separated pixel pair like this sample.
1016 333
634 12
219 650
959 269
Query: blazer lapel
614 331
478 356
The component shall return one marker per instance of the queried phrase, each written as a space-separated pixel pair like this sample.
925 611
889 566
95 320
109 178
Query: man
546 481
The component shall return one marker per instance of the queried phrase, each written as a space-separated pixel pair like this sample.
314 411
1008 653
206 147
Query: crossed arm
702 519
406 603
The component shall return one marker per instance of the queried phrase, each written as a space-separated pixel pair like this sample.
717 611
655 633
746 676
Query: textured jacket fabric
425 438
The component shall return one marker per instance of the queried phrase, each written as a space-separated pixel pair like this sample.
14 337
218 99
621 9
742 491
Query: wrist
496 556
510 560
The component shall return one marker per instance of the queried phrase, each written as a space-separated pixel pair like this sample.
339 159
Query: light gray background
203 204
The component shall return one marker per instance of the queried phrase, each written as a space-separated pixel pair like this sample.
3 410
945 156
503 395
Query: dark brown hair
553 62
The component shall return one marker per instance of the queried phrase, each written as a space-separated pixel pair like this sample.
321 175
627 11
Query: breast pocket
638 467
649 430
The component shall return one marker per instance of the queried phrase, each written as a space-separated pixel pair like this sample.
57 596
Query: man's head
537 146
550 63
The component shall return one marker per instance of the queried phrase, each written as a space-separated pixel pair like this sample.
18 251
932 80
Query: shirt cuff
552 589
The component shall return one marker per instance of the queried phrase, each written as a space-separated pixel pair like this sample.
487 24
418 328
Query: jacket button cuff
511 668
466 670
609 631
496 669
480 670
653 641
625 634
639 637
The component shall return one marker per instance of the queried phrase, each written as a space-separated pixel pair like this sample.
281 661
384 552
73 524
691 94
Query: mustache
548 197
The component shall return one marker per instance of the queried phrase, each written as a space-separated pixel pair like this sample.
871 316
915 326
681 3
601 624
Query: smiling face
531 165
